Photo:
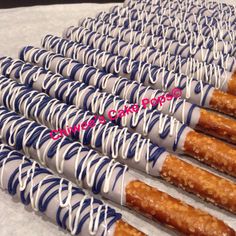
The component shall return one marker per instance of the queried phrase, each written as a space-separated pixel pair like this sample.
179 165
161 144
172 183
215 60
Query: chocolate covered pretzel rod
189 6
229 8
133 51
149 36
167 28
133 92
209 73
147 18
145 156
59 199
169 19
106 43
161 129
185 12
208 6
152 31
195 91
164 207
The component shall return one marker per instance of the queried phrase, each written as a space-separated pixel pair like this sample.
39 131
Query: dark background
21 3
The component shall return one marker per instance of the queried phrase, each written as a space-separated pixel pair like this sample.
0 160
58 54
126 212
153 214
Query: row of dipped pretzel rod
161 129
211 73
100 174
33 106
199 118
193 13
131 149
195 91
186 15
68 107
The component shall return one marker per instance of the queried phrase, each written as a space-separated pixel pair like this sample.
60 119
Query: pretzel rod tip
223 102
232 85
123 228
204 184
217 125
211 151
172 212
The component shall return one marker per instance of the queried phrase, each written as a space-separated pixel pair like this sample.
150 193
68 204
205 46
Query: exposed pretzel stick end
211 151
232 85
223 102
170 211
204 184
123 228
217 125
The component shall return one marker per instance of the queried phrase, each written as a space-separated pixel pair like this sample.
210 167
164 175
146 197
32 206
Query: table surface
26 26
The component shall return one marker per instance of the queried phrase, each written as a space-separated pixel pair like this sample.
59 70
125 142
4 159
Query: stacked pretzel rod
59 199
130 88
